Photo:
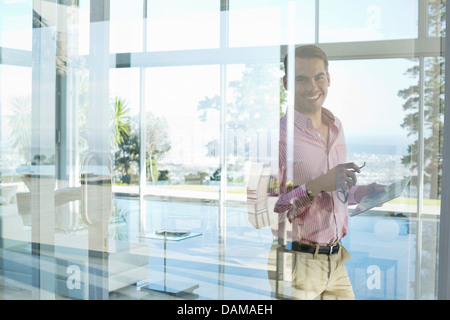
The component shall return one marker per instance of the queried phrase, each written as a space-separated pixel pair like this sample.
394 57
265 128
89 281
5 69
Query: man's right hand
343 176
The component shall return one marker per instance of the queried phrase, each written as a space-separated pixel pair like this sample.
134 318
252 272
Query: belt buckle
332 247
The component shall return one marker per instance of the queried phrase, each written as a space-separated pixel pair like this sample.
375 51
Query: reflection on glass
182 137
434 127
262 29
126 22
16 24
393 257
181 25
125 136
384 132
270 23
253 109
365 94
366 20
82 27
15 87
15 152
60 98
436 18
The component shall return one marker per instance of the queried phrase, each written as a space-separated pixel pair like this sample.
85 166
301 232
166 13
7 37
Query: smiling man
319 216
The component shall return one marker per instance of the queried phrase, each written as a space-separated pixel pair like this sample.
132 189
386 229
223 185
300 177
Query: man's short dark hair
308 52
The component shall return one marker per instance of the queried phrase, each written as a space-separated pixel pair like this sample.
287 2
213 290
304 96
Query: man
323 183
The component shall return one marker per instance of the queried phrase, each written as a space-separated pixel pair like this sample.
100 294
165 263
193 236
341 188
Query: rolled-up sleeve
293 202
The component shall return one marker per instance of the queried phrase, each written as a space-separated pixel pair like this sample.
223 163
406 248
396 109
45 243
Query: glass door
71 178
60 231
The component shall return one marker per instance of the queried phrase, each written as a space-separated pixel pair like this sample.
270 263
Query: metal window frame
443 283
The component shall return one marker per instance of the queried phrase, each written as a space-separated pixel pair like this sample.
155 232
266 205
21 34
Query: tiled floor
234 267
241 265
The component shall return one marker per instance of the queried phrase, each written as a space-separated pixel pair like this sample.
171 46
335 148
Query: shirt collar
302 121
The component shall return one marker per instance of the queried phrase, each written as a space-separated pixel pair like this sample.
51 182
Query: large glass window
126 26
366 95
15 23
182 129
178 25
125 142
381 131
272 23
139 144
352 20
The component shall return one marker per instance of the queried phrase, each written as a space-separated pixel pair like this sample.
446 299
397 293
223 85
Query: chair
126 262
257 196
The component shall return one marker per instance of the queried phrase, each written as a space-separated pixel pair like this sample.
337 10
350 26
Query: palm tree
120 121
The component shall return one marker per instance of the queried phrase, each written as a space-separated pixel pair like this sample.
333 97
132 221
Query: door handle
93 179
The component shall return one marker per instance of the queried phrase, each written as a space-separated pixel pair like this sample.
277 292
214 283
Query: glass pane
385 244
16 24
73 125
16 119
15 154
181 25
82 27
125 141
433 131
262 30
271 22
382 241
127 27
28 166
383 139
252 122
355 20
183 162
436 18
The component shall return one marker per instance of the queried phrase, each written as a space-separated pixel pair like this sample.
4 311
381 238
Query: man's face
311 85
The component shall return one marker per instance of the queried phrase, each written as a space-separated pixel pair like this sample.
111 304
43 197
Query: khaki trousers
321 277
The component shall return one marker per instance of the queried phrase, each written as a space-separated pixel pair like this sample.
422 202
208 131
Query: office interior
139 145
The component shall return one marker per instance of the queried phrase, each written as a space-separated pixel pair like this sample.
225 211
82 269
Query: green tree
433 107
120 122
125 139
251 100
125 144
157 144
126 157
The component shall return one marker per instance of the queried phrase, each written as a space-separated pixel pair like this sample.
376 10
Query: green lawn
413 201
203 188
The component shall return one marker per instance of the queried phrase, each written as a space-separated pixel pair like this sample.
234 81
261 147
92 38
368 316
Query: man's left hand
363 191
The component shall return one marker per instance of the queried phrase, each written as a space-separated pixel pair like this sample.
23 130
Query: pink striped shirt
323 221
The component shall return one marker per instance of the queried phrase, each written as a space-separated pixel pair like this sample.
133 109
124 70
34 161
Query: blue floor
383 263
